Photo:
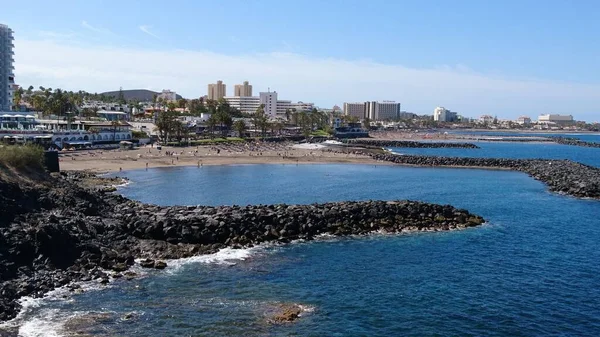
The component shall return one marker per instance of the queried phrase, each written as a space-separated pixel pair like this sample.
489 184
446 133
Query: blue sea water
588 137
532 270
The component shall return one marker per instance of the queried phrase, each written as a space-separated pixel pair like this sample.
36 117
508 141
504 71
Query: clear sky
504 58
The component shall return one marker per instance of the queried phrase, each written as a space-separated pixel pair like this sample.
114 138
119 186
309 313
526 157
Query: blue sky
506 58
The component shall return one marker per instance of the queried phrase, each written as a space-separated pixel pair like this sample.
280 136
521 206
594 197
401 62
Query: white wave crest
225 256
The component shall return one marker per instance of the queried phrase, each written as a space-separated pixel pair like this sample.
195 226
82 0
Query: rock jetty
574 142
408 144
57 231
562 176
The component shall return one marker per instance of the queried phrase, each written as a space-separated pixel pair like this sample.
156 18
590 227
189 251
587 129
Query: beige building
216 91
243 90
355 109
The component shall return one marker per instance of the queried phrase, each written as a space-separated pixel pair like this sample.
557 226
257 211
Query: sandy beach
245 153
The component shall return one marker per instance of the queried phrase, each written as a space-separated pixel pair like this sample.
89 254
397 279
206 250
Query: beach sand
266 153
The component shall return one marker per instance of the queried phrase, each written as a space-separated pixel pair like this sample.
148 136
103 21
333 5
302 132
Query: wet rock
160 265
286 313
147 263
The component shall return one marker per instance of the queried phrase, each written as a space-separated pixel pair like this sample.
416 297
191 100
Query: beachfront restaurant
17 122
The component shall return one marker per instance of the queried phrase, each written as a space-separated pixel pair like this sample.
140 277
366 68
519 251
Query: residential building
216 91
355 110
486 119
555 119
167 95
242 90
7 77
523 120
441 114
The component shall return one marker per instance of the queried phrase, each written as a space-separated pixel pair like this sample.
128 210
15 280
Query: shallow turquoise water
531 271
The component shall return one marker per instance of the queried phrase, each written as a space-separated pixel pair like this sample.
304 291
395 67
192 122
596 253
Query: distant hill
141 95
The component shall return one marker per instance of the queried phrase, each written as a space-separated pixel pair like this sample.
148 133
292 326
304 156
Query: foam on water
225 256
35 320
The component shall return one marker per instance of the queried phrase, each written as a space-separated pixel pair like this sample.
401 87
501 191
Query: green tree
114 125
304 121
211 122
165 123
121 97
18 96
240 127
367 123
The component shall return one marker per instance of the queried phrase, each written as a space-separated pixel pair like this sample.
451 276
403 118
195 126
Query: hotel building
375 111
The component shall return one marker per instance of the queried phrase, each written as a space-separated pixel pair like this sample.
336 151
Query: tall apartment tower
7 77
216 91
243 90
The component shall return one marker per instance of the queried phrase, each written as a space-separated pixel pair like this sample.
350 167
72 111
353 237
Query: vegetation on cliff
21 157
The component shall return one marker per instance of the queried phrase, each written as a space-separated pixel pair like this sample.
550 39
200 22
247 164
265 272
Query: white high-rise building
269 99
7 77
441 114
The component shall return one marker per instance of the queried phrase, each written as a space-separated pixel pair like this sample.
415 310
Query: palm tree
114 124
211 122
367 123
260 120
240 127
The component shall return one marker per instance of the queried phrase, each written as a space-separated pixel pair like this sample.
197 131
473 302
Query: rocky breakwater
574 142
60 230
409 144
561 176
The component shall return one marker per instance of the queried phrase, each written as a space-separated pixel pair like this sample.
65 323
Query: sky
504 58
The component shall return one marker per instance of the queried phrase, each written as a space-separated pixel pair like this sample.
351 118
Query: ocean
531 270
588 136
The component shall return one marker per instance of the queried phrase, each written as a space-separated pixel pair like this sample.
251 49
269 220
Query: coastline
113 161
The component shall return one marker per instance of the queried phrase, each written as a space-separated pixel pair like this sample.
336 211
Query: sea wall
408 143
57 232
574 142
562 176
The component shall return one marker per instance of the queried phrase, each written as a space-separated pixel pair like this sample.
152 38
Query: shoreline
99 161
86 234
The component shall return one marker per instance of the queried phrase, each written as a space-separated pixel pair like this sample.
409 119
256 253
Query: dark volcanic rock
574 141
562 176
